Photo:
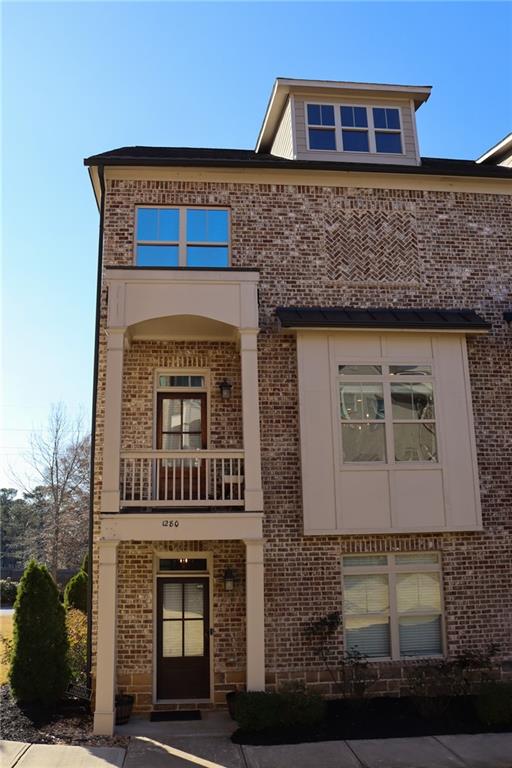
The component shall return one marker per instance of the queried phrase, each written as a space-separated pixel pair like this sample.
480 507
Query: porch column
112 420
255 615
251 420
104 713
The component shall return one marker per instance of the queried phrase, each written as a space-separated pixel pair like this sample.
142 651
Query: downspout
101 176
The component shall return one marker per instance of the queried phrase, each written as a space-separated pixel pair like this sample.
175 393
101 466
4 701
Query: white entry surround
386 496
169 527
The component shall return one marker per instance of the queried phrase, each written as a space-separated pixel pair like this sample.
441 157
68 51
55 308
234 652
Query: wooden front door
181 426
183 639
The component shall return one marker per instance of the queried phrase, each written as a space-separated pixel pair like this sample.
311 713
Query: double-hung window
321 126
352 128
392 605
387 413
386 123
182 237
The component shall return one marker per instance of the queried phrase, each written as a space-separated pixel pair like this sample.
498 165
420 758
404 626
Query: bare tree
60 458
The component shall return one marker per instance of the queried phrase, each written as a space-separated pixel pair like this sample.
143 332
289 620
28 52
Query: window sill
376 465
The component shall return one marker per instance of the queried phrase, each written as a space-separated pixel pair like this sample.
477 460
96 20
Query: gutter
476 171
101 175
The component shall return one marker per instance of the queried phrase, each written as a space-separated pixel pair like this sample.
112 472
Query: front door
183 639
181 426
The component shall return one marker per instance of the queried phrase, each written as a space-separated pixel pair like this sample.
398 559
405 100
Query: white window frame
371 129
182 242
335 127
392 570
386 379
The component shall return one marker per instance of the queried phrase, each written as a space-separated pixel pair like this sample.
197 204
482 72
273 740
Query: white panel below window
417 499
364 500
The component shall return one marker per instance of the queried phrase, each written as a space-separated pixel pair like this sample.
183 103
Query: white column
112 421
251 420
255 613
104 713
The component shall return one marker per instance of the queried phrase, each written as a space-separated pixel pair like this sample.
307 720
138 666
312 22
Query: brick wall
330 246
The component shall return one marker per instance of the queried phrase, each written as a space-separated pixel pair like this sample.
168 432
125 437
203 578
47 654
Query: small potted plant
124 706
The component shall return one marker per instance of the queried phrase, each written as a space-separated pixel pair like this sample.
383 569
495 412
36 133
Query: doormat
176 714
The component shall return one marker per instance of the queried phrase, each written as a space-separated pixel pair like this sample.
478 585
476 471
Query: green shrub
39 672
494 704
85 564
75 594
300 707
8 591
258 711
76 626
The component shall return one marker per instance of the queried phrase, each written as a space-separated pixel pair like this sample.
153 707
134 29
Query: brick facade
329 246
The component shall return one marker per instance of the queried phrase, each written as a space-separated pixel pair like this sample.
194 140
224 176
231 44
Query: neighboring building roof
283 86
247 158
350 317
499 151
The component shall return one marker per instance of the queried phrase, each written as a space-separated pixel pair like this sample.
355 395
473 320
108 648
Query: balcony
157 478
187 306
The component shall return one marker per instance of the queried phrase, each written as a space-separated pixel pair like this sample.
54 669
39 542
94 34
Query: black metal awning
382 318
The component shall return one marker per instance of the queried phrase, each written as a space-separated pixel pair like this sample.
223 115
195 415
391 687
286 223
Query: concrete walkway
206 744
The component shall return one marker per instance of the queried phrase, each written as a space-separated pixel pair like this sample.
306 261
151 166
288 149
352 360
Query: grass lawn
5 631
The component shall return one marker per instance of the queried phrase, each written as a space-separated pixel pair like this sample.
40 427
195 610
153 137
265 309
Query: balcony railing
198 478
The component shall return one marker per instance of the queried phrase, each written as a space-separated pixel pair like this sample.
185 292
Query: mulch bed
379 718
70 723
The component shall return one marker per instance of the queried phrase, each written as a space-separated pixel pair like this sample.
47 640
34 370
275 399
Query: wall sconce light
229 579
225 389
507 316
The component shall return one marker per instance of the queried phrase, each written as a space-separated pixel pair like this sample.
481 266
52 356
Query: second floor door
181 426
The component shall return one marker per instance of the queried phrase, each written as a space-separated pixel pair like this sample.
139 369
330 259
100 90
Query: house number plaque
170 523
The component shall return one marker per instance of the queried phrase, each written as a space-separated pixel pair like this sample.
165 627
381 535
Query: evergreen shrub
39 672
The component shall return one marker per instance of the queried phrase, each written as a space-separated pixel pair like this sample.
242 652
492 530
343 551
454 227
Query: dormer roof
283 87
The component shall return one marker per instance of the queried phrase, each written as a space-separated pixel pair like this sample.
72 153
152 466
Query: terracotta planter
124 706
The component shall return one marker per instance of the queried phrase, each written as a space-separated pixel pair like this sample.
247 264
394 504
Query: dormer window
387 129
353 128
322 131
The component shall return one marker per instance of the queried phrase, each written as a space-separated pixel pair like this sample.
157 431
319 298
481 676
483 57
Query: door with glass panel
183 639
181 426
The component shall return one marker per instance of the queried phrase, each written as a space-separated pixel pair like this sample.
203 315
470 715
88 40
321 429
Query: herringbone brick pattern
371 245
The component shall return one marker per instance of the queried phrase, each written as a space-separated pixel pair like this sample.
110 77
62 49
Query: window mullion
337 129
388 420
182 249
371 130
393 617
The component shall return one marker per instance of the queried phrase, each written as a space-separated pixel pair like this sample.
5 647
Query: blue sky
81 78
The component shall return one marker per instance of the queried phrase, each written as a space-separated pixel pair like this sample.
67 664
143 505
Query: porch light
229 579
225 389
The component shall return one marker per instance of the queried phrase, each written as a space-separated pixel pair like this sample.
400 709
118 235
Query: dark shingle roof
247 158
351 317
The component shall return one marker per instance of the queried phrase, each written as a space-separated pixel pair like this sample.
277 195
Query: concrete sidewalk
17 754
206 744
